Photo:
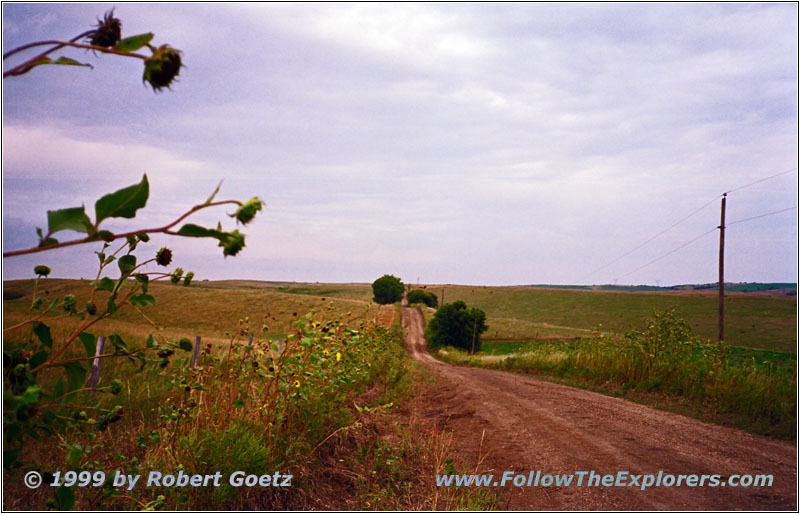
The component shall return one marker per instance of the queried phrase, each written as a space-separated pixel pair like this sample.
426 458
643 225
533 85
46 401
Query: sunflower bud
232 244
108 33
247 211
164 256
41 270
176 275
162 68
188 278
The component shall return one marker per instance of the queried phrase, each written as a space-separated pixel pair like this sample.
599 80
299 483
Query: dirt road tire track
530 424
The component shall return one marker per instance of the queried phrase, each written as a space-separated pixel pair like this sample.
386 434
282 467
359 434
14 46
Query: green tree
420 296
387 289
453 324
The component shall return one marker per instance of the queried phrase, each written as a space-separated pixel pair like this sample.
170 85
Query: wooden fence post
196 353
249 347
94 377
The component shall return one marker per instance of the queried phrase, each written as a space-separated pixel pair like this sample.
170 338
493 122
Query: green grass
288 412
765 322
665 366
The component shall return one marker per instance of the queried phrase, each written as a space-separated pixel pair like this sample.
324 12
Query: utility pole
721 318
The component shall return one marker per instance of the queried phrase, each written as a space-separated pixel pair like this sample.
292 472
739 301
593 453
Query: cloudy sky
445 143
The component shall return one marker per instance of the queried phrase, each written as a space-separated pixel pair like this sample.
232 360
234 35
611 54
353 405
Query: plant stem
43 54
89 239
27 65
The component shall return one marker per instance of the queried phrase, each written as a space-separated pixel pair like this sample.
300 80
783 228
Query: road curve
530 424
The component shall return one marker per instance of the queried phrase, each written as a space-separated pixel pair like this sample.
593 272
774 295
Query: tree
453 324
420 296
387 289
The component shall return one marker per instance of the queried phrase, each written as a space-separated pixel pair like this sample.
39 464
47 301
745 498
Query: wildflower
108 33
338 356
296 384
162 68
164 257
325 352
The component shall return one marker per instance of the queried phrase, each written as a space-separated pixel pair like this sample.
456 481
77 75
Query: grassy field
333 392
756 321
553 333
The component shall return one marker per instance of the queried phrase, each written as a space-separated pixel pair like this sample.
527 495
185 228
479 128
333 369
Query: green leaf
42 331
133 43
105 284
61 60
126 263
75 454
120 347
65 497
123 203
10 456
76 375
89 343
38 358
142 300
73 218
68 61
144 280
58 389
192 230
238 404
211 198
112 306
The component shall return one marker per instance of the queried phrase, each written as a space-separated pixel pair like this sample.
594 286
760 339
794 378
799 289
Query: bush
387 289
420 296
453 324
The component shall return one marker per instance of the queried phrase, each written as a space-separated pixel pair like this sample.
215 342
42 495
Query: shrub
387 289
420 296
453 324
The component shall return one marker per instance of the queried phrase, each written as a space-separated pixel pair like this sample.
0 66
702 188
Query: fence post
196 353
94 377
249 347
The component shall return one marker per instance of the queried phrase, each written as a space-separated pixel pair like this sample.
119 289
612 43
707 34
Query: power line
655 236
761 180
667 254
760 216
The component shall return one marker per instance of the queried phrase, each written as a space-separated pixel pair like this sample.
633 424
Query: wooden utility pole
721 318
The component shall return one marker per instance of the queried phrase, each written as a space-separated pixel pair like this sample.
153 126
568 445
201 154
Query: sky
486 144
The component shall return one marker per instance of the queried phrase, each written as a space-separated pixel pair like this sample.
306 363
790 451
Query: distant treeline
788 288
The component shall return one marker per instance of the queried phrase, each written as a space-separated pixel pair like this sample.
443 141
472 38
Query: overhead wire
759 216
761 180
684 245
689 216
655 236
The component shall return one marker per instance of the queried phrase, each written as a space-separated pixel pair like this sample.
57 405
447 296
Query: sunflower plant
46 377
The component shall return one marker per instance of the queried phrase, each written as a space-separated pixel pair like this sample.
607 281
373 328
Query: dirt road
530 424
